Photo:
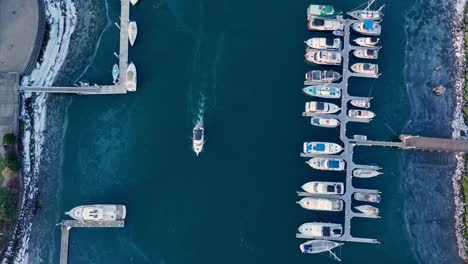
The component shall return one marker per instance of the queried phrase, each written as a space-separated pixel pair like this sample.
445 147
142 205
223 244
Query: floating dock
120 87
66 225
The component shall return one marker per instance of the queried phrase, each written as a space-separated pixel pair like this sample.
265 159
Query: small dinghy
364 173
321 204
321 11
321 108
317 229
367 13
321 24
324 43
319 246
323 57
327 164
131 75
322 76
361 114
322 148
115 73
133 2
132 32
368 210
338 33
369 69
360 103
370 54
323 91
368 27
367 41
324 122
367 197
317 187
198 139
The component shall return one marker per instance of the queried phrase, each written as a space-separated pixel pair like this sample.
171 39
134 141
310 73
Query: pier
66 225
120 87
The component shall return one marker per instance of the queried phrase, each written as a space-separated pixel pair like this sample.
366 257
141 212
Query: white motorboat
322 76
131 75
115 73
367 41
367 13
368 210
321 108
364 173
321 204
323 57
360 103
322 148
324 43
324 122
316 187
132 32
361 114
367 197
327 164
317 23
198 138
368 27
370 69
133 2
319 246
370 54
321 11
98 212
323 91
317 229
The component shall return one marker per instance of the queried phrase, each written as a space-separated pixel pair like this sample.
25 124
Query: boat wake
199 114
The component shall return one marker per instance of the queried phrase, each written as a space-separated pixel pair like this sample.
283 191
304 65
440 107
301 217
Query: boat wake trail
198 117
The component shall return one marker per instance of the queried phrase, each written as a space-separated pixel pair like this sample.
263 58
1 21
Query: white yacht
324 43
327 164
115 73
368 27
322 76
370 69
321 11
131 74
319 246
316 187
317 23
322 148
367 41
324 122
323 91
367 13
365 173
198 138
132 32
98 212
323 57
361 114
321 108
321 204
360 103
370 54
317 229
133 2
367 197
368 210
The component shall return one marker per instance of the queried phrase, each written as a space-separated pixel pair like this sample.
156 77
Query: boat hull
367 197
317 187
368 210
329 92
198 140
360 28
318 229
321 108
322 148
131 82
98 212
322 76
321 204
366 42
318 246
323 57
327 164
325 122
360 103
132 32
363 173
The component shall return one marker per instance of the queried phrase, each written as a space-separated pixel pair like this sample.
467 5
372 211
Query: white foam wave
62 18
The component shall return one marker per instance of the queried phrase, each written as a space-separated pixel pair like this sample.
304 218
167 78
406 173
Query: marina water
238 66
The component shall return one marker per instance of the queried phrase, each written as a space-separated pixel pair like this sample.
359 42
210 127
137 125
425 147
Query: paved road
19 21
8 103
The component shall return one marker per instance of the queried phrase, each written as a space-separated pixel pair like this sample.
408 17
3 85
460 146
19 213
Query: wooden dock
120 87
66 225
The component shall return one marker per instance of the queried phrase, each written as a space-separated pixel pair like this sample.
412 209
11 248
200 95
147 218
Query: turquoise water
239 66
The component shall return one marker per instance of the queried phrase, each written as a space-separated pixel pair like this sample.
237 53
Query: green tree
11 161
9 139
8 204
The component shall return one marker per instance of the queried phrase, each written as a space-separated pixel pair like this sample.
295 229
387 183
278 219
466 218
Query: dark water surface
239 65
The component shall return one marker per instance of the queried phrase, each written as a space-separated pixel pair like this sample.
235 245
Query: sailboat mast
334 256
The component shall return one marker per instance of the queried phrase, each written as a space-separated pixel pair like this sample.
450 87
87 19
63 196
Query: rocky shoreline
460 129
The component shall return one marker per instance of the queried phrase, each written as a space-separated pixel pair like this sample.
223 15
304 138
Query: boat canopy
368 25
92 213
334 164
320 106
198 134
318 22
329 42
367 66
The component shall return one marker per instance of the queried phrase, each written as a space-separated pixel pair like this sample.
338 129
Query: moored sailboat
323 91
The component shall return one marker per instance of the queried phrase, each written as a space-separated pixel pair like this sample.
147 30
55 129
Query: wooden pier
120 87
66 225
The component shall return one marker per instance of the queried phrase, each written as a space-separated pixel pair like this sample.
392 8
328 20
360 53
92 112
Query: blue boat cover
320 106
334 164
308 248
319 147
198 134
368 25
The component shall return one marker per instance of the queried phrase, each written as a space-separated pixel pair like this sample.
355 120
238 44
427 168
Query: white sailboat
132 32
367 13
115 73
319 246
131 75
98 212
